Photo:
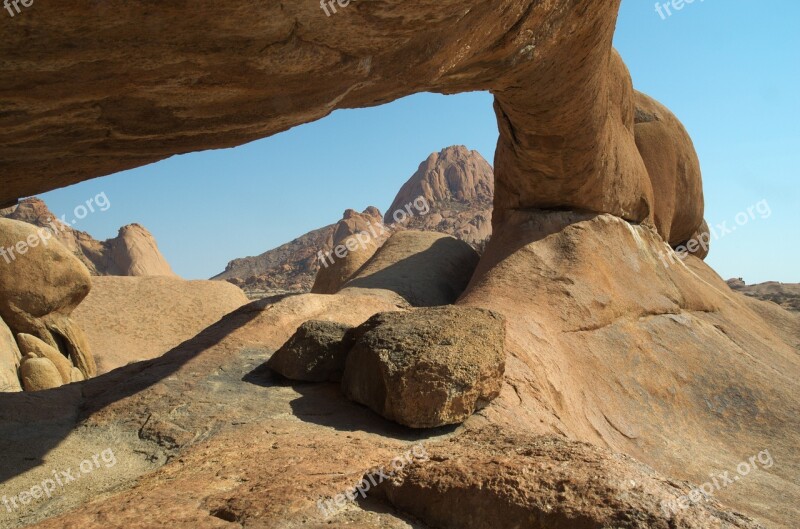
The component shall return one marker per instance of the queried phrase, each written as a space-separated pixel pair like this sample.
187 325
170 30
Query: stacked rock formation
41 283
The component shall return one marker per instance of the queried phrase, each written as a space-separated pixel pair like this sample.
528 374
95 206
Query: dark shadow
418 277
325 405
32 424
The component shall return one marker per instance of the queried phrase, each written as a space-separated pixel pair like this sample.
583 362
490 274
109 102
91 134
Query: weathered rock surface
492 478
355 240
32 345
39 373
674 170
316 352
427 367
671 368
134 252
456 187
40 285
129 319
10 357
427 269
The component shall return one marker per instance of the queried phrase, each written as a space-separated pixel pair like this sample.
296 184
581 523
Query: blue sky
730 70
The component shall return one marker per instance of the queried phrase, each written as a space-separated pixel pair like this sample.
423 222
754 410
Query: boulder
9 360
427 269
674 170
29 344
316 352
39 374
427 367
41 284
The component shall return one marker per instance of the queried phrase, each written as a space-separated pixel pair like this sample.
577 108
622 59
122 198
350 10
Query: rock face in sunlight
41 283
455 188
610 353
134 252
129 319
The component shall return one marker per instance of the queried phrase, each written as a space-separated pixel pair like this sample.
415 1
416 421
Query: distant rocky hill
451 192
787 295
458 184
133 252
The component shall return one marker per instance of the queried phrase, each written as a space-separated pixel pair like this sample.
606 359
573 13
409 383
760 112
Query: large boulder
10 357
316 352
427 269
40 285
427 367
39 374
674 170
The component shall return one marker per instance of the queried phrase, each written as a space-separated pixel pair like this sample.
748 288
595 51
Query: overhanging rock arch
95 88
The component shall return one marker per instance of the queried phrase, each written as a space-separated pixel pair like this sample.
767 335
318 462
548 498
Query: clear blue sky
729 69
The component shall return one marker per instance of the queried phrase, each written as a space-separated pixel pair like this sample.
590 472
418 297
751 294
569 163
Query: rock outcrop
134 252
457 187
316 352
41 283
674 170
129 319
426 368
39 374
503 479
427 269
605 345
356 238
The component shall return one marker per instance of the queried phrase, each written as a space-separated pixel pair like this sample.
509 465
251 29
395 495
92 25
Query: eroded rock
38 374
32 345
40 285
491 479
427 367
427 269
10 358
316 352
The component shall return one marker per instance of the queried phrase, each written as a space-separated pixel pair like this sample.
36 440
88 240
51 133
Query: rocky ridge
133 252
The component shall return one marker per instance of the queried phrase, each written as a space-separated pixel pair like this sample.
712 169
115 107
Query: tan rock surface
426 368
608 346
32 345
10 357
39 374
491 479
674 170
357 237
425 268
40 285
129 319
